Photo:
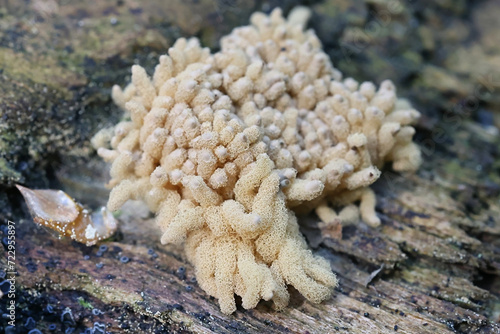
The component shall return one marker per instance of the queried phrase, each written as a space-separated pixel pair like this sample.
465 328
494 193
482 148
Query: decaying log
433 266
439 255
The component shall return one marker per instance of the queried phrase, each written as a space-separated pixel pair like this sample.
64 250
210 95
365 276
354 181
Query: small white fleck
90 232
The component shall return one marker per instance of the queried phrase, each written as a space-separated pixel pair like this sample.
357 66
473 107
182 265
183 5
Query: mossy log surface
433 266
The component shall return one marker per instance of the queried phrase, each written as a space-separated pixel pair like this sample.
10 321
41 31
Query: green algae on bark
59 61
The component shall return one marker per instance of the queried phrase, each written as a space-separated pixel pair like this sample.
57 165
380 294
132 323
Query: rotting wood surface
440 258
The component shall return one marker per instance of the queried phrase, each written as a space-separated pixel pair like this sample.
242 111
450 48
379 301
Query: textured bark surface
433 266
438 251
